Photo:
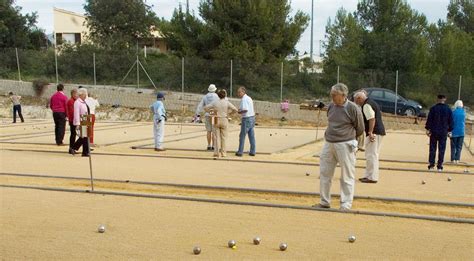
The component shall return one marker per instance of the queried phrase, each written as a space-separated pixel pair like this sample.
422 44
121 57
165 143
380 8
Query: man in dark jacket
438 125
374 132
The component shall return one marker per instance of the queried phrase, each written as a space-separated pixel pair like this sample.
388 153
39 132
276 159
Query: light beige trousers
343 153
220 135
372 151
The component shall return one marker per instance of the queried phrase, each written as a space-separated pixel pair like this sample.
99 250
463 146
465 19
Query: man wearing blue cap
159 118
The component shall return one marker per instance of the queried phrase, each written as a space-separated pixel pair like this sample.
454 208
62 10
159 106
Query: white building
72 28
69 27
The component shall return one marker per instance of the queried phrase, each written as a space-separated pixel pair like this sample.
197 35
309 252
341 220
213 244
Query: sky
323 9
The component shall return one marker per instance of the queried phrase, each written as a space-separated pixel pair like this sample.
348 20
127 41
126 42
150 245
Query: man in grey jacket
345 124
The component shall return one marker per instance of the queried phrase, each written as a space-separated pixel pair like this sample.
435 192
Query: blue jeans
247 126
437 140
456 147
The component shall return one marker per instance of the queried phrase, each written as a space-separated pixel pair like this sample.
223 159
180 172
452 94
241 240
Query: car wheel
410 112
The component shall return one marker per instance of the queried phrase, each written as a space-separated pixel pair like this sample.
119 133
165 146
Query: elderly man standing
70 117
438 125
159 118
248 122
58 104
80 109
345 124
374 132
209 98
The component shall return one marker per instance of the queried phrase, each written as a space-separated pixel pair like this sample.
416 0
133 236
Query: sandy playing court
42 224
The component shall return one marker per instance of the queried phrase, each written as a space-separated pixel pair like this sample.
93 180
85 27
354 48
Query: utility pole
311 45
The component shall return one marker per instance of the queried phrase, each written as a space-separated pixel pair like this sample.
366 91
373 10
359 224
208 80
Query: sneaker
252 154
72 151
440 169
430 167
209 148
321 206
343 209
238 154
212 148
160 149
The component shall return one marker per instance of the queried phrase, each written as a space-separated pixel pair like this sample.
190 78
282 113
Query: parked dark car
386 100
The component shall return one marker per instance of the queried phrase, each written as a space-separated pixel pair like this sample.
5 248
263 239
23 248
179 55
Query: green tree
119 23
17 30
461 13
257 30
183 33
393 30
343 46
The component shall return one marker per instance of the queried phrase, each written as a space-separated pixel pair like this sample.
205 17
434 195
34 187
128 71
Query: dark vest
379 129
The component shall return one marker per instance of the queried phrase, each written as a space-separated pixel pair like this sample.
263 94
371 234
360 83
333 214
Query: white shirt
92 103
368 111
246 104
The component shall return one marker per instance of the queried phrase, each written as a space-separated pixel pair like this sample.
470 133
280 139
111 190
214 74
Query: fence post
281 83
95 77
138 74
231 68
459 91
56 63
396 92
182 94
18 64
338 74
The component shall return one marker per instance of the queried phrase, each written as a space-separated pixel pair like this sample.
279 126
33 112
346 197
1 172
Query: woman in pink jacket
81 108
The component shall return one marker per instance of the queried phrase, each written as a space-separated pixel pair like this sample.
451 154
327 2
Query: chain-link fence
293 79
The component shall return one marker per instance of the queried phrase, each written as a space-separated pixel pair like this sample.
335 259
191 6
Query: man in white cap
209 98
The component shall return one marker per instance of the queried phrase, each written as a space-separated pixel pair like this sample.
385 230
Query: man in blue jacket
438 126
159 118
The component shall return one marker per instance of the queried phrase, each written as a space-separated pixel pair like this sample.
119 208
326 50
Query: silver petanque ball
352 239
307 174
449 179
256 241
197 250
423 182
283 246
466 171
231 243
101 229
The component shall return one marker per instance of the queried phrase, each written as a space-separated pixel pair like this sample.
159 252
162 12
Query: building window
77 37
69 38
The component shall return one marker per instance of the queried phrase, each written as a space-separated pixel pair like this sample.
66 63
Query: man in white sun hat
209 98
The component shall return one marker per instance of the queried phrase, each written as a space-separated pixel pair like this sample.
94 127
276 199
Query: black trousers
17 108
72 136
59 126
85 146
437 140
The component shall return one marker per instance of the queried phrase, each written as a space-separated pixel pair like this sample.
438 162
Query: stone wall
143 98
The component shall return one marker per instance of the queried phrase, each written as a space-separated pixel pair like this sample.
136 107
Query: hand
372 137
428 133
450 134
